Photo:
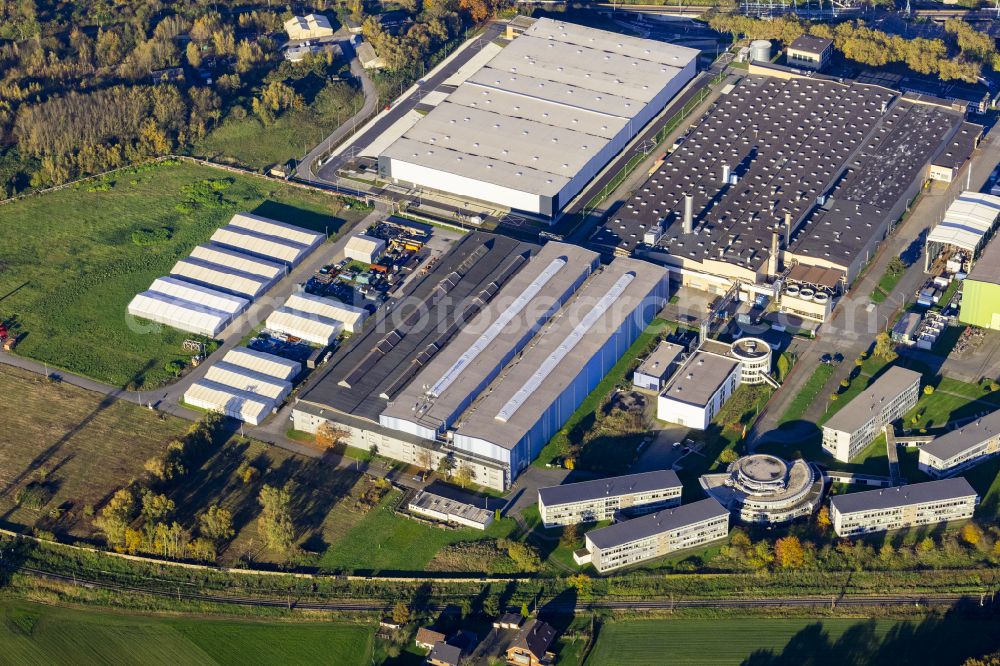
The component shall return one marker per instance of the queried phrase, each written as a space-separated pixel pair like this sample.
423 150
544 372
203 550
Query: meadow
772 641
71 260
38 634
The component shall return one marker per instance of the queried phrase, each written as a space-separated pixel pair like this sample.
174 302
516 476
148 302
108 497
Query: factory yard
65 284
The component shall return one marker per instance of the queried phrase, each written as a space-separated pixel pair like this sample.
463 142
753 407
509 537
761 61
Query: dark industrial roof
645 482
811 44
380 360
536 637
656 523
816 276
790 144
961 439
917 493
960 148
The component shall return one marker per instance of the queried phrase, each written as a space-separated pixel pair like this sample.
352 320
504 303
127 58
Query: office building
962 448
928 503
601 499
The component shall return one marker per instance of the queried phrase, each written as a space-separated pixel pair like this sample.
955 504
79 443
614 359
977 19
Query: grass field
37 634
810 391
771 641
84 447
381 541
70 261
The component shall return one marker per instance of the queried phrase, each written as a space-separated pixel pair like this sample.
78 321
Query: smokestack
688 214
725 174
788 228
772 261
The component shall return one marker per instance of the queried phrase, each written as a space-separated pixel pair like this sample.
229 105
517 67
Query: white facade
234 403
310 26
187 307
364 248
312 328
928 503
698 390
240 378
263 363
541 118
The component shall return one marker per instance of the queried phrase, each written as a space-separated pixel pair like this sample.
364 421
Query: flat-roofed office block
928 503
601 499
962 448
858 423
654 535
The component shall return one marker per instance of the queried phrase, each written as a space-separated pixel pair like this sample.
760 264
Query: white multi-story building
928 503
761 488
854 427
654 535
697 391
962 448
600 499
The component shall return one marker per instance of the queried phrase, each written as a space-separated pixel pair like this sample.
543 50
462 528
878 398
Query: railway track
290 603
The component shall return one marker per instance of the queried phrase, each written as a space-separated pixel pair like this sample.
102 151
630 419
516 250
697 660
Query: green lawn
70 263
37 634
810 390
772 641
384 541
244 140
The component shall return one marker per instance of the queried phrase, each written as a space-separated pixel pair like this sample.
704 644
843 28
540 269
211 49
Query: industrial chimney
772 260
788 229
725 174
688 214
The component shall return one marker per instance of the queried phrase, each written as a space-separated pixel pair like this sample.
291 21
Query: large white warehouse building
541 118
186 306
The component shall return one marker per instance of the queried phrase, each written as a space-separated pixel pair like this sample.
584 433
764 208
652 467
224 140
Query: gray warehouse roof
955 442
392 349
961 146
525 301
699 378
658 362
987 268
570 493
656 523
513 403
545 105
889 385
917 493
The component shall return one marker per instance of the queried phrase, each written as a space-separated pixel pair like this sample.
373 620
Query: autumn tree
582 583
823 518
329 436
524 555
216 524
400 613
971 534
465 474
116 515
789 553
885 347
156 507
275 520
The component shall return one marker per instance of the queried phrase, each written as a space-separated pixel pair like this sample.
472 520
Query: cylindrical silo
760 50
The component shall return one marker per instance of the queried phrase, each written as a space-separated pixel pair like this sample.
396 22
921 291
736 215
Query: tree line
961 58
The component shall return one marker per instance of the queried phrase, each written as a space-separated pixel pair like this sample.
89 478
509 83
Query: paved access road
327 173
853 326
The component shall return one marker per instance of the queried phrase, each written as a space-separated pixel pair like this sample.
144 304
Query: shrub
146 237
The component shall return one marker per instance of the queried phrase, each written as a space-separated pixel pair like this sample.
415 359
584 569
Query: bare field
74 445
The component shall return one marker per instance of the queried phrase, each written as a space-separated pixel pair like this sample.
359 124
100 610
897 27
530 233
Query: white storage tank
760 50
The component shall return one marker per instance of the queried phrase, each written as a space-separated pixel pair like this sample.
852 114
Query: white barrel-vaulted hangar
541 118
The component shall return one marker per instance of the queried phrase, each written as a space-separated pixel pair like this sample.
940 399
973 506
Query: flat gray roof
656 523
987 267
503 327
959 440
570 493
889 385
810 44
657 363
544 106
917 493
431 502
515 401
961 146
382 359
699 378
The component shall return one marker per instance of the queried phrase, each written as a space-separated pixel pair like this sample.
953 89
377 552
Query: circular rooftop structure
763 472
754 355
762 488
